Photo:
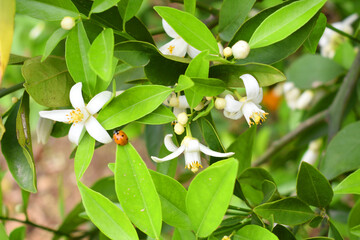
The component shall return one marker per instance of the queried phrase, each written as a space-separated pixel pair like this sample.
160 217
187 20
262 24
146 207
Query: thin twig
279 144
342 33
6 91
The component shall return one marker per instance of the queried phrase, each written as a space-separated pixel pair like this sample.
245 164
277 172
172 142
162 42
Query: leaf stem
6 91
342 33
35 225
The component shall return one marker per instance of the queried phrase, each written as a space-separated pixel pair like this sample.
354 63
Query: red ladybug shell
120 137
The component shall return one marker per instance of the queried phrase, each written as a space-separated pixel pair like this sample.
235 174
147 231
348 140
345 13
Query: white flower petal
193 52
75 132
259 97
310 156
169 143
94 128
251 86
76 98
43 130
233 115
56 115
231 104
210 152
183 102
191 158
98 101
169 30
173 155
177 111
249 109
176 47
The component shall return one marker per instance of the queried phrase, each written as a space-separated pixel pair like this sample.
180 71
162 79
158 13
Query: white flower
330 40
177 46
291 94
191 147
179 103
240 49
67 23
82 115
43 130
247 106
305 100
312 153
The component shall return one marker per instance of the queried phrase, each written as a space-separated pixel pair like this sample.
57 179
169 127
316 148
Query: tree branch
6 91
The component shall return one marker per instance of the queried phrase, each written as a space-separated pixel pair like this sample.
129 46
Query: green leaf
284 21
209 195
309 71
345 54
172 196
83 156
283 232
289 211
3 234
53 41
254 232
101 54
266 75
49 10
350 185
312 187
48 82
2 128
344 149
76 53
353 219
181 234
312 42
190 6
102 5
19 158
203 87
232 15
205 112
355 230
136 191
128 8
333 232
106 215
17 234
161 115
199 66
184 83
191 29
242 147
132 104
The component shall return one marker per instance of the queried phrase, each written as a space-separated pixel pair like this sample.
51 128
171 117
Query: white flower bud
44 129
240 50
179 129
221 49
199 106
227 52
315 145
67 23
304 100
182 118
174 102
220 103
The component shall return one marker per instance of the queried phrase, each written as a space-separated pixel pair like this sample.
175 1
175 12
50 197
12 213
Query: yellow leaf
7 15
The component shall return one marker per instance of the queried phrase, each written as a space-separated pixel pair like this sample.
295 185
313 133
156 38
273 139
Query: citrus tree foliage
206 66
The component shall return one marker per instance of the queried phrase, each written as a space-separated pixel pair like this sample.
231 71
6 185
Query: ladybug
120 137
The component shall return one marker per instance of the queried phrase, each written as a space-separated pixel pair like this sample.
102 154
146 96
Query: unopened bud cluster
182 120
240 50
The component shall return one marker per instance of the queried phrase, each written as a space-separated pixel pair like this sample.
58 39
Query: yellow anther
194 167
257 118
75 116
171 48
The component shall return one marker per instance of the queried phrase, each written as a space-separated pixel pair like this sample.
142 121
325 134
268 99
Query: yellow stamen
171 48
194 167
257 118
75 116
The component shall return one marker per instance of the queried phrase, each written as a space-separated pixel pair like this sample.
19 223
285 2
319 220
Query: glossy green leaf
101 54
77 60
106 215
289 211
242 147
209 195
19 159
353 219
343 149
53 41
49 10
48 82
203 87
230 73
172 196
355 230
310 71
254 232
205 112
333 232
283 232
128 8
168 167
191 29
181 234
274 52
312 42
184 83
199 66
350 185
190 6
136 191
3 234
83 156
161 115
102 5
232 15
17 234
312 187
132 104
284 21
